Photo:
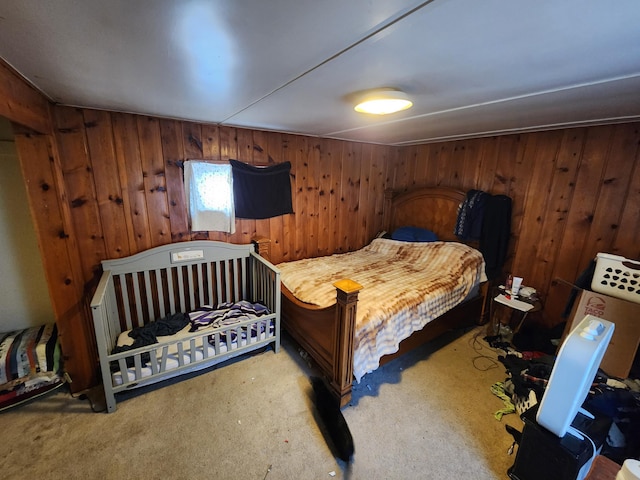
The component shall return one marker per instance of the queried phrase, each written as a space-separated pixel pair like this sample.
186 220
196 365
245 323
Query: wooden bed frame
327 334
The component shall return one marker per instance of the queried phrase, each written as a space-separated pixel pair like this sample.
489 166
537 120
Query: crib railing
220 343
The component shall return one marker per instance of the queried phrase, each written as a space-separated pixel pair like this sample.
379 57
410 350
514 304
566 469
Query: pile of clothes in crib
226 314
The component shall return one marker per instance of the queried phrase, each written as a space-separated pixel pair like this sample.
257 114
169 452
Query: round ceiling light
383 101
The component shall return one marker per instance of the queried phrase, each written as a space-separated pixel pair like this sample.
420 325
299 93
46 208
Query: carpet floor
427 415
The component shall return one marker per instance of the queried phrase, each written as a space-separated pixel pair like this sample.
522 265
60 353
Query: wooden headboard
433 208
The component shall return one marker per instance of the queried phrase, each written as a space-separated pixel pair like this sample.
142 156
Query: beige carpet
428 415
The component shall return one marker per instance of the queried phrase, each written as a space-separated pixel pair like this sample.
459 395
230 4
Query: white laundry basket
617 276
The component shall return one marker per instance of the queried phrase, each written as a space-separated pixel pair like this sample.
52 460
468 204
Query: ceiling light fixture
383 101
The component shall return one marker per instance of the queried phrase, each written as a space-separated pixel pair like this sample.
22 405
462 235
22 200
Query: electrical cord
476 345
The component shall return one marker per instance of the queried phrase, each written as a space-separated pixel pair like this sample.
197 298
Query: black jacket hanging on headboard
496 232
261 192
471 215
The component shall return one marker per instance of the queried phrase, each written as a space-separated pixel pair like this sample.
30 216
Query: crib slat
205 346
229 267
172 302
163 358
259 286
154 361
122 363
112 322
147 288
137 363
209 284
255 286
216 343
240 281
200 267
180 354
136 296
183 306
192 347
125 300
190 293
238 337
160 290
219 298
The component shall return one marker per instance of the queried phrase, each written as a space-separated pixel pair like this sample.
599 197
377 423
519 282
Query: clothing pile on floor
528 373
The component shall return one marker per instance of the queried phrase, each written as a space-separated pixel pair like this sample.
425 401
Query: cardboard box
621 352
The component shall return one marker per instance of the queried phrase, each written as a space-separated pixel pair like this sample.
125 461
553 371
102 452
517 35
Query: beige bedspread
405 286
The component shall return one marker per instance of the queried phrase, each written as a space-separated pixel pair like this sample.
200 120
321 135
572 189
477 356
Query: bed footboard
327 334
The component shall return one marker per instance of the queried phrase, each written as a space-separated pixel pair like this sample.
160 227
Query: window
209 191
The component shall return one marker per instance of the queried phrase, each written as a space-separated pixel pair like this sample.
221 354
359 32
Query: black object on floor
336 427
543 455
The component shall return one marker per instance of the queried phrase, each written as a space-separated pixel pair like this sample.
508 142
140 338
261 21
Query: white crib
174 278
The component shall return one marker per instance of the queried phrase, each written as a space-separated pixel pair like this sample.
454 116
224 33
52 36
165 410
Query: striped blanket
29 362
228 314
405 286
225 314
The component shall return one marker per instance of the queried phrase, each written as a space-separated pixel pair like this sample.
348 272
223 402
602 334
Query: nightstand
521 305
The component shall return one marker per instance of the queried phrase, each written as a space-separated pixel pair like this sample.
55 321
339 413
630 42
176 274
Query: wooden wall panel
210 142
50 210
108 190
174 154
21 103
332 220
614 185
79 183
630 216
432 157
60 255
372 206
575 193
127 157
262 156
153 175
246 228
274 227
201 141
560 193
532 231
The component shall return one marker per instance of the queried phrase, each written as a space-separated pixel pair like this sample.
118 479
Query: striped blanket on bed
405 286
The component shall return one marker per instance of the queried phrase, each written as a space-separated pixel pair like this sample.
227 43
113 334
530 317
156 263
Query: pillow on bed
414 234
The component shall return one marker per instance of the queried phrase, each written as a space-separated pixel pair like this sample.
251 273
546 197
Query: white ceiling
472 68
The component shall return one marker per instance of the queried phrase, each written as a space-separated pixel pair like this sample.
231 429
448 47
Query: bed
180 308
322 308
30 364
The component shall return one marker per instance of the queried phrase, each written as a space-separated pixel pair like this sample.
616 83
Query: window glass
209 191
